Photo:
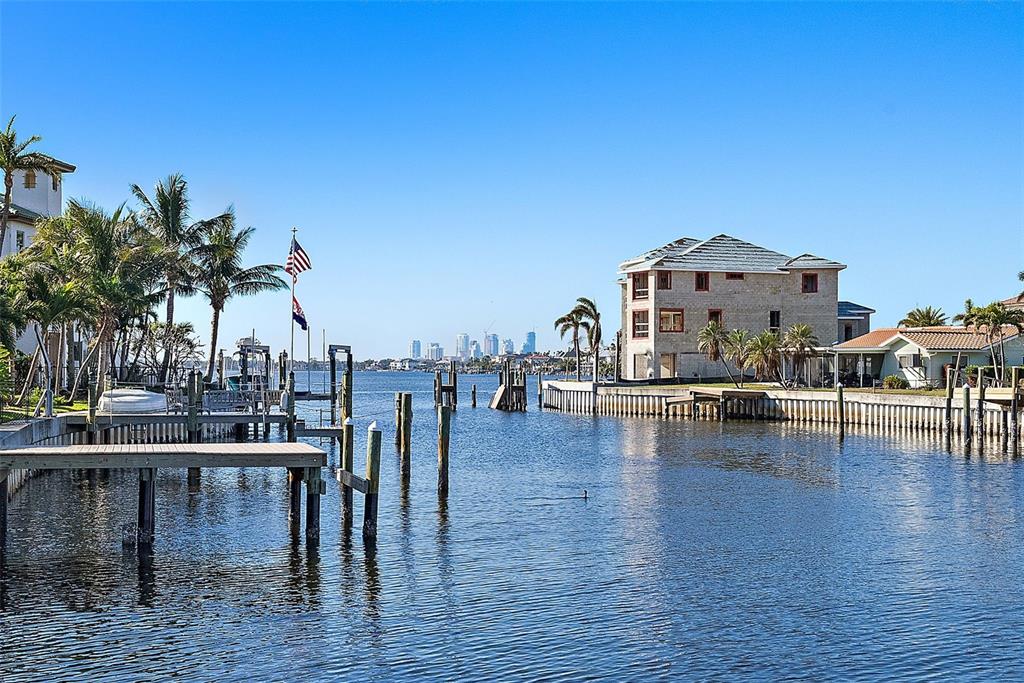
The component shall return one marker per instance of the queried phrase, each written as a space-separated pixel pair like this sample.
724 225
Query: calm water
704 551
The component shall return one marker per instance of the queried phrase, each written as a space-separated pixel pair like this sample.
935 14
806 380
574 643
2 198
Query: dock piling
966 428
147 507
947 423
1014 405
405 443
472 397
841 411
979 420
444 420
294 495
347 464
315 487
372 482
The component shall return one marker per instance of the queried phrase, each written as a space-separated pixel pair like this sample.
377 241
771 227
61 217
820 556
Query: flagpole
309 373
291 316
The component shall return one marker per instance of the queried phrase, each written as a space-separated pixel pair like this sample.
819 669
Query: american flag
298 260
298 315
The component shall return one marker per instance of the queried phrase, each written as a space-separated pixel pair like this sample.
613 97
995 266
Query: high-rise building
508 347
414 348
434 351
530 345
462 345
474 349
491 345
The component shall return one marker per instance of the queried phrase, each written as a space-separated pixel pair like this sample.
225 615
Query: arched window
30 179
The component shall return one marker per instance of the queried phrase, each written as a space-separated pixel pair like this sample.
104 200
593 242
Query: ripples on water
703 551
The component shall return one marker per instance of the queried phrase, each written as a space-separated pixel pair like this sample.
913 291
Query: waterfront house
921 354
670 293
854 320
34 195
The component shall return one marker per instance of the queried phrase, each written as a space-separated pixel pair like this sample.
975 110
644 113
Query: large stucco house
34 195
670 293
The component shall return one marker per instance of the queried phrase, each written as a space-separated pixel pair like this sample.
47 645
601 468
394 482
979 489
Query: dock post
841 411
291 407
294 495
948 420
1014 404
147 507
979 420
453 377
437 388
315 487
472 397
372 483
3 511
540 389
91 415
398 419
406 443
444 428
193 410
347 387
347 464
282 371
966 429
721 408
334 384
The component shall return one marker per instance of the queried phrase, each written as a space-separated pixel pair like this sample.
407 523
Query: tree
994 319
166 216
15 156
763 353
571 323
969 313
924 317
736 349
221 275
800 341
590 320
711 342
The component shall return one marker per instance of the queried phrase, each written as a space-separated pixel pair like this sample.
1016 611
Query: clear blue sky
452 165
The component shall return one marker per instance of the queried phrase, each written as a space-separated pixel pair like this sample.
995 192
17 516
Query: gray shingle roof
721 253
21 213
848 309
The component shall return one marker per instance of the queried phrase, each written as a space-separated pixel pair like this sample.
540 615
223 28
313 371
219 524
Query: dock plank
115 456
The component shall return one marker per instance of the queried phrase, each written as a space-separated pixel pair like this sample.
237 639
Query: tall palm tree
221 275
571 323
166 216
993 320
711 342
924 317
763 354
800 341
967 317
16 156
590 320
736 350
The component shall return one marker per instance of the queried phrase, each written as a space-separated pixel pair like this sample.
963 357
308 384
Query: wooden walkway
116 456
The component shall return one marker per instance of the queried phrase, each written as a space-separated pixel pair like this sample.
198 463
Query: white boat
119 401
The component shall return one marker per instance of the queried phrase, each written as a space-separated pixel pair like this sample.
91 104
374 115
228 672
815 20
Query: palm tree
763 354
924 317
736 349
571 322
800 341
994 319
590 320
15 156
711 341
221 275
166 216
967 318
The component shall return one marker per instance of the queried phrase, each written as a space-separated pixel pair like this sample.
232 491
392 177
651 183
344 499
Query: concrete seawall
900 411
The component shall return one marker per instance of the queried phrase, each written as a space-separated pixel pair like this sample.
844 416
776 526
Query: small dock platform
118 456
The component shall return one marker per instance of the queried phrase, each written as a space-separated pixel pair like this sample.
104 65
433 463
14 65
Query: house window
664 279
30 179
670 320
847 331
639 285
19 240
701 282
715 315
640 324
734 276
911 361
809 283
55 181
774 321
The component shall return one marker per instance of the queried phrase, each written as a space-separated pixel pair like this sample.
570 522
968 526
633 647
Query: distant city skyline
467 347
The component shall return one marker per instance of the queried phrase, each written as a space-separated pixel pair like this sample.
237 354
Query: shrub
895 382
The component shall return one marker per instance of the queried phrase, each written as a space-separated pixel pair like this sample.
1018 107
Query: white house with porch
921 354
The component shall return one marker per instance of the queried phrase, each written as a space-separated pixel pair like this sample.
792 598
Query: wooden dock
118 456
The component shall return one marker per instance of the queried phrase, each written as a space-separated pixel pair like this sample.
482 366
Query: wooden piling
966 428
841 411
315 487
540 389
334 385
348 465
947 422
405 445
472 396
980 416
398 418
294 495
291 407
372 482
453 380
147 507
1014 404
444 421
